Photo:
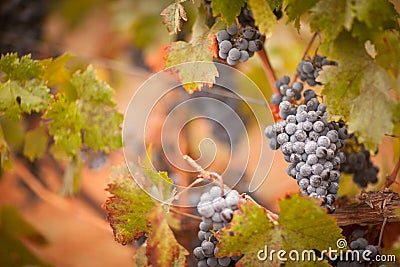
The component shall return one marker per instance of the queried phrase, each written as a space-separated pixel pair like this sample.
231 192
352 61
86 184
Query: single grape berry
232 30
222 35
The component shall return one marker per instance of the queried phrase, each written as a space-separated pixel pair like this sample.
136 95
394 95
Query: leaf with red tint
171 17
162 248
199 49
127 207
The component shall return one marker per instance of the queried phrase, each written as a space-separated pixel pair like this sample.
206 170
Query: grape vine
321 127
327 116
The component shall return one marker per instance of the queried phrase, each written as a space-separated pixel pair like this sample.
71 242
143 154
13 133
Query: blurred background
125 42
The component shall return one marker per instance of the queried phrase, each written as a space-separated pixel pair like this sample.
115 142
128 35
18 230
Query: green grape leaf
102 122
28 97
127 207
35 143
388 52
305 225
262 13
393 250
102 127
162 248
55 70
377 19
295 8
330 16
171 17
302 225
357 91
17 69
198 49
14 133
159 179
275 4
65 125
13 228
247 232
140 256
89 88
90 119
370 105
251 260
5 157
228 9
342 83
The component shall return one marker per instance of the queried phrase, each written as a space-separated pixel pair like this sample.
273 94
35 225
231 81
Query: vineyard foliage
55 107
361 89
75 108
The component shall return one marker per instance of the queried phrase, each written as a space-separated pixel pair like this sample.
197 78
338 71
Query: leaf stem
176 197
177 211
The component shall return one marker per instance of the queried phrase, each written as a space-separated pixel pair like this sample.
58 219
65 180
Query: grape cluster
359 245
311 144
286 92
237 45
359 164
308 70
216 208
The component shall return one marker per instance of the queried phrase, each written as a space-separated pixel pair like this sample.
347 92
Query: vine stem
271 77
215 177
212 176
390 179
23 173
269 72
175 210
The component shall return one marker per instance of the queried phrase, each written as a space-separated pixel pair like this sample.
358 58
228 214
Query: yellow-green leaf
302 225
262 13
19 69
172 16
248 231
127 207
199 49
227 8
162 248
5 157
19 97
296 8
55 70
160 179
35 143
330 17
375 105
